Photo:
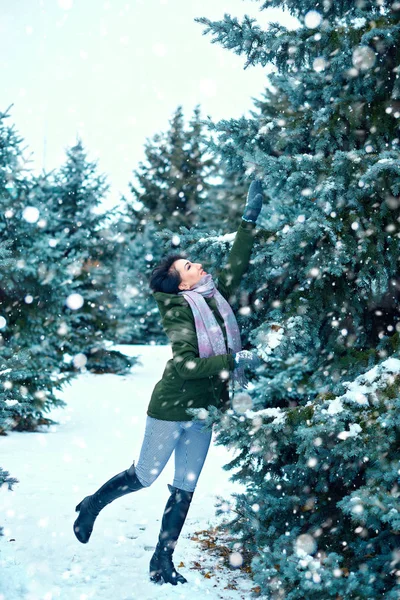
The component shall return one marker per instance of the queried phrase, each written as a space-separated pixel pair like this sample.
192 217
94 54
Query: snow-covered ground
100 433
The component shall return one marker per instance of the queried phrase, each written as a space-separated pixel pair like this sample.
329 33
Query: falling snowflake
242 402
30 214
305 544
312 19
363 57
74 301
80 360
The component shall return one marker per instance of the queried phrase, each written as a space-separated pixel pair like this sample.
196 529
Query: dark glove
247 358
254 202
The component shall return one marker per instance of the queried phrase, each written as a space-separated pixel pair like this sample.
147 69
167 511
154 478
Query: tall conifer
318 434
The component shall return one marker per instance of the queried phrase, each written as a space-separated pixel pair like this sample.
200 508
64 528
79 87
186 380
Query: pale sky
114 72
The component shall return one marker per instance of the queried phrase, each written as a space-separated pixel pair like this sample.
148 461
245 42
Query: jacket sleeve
185 353
231 274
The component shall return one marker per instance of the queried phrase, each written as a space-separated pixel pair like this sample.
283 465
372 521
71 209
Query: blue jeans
189 439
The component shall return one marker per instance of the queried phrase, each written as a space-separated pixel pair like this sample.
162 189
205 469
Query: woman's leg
160 440
190 454
90 507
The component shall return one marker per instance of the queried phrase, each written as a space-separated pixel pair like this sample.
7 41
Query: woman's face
190 273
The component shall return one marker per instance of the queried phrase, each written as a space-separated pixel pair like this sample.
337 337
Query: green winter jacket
189 381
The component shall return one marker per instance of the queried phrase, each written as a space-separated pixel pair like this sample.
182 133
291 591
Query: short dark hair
164 278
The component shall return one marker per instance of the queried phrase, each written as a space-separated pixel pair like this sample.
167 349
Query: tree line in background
317 433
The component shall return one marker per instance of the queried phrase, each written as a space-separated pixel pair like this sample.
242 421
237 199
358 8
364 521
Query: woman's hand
247 358
254 202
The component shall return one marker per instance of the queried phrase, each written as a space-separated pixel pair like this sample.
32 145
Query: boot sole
157 578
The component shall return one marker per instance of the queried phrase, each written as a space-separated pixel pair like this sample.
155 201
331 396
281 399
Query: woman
201 326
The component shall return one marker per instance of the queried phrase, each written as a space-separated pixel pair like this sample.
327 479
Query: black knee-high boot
119 485
176 509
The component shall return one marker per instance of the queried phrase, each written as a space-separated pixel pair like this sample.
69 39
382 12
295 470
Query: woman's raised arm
231 274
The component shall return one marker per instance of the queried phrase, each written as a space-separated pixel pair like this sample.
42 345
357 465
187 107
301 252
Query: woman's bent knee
147 479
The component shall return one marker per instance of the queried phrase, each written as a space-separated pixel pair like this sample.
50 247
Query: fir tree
325 142
173 181
29 297
168 196
138 320
82 238
40 285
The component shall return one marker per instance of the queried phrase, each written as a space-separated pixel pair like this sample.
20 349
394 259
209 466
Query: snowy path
99 434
